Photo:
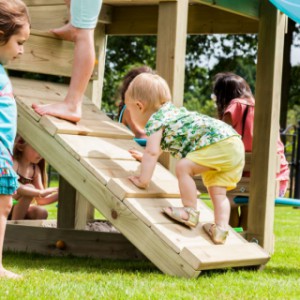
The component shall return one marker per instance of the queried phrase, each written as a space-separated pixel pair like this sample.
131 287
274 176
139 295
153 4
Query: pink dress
241 112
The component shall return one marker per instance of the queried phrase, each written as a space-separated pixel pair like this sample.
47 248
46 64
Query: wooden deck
93 157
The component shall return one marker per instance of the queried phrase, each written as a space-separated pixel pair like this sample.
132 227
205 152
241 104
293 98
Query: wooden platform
93 157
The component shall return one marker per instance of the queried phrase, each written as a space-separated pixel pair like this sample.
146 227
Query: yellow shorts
226 158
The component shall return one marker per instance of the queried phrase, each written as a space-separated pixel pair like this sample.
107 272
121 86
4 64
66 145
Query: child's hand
46 192
136 181
136 154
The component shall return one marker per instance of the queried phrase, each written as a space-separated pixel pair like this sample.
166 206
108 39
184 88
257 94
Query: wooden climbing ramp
93 157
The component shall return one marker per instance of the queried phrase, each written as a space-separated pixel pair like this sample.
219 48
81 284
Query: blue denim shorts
8 177
84 13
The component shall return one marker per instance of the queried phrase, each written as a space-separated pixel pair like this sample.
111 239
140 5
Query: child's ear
140 105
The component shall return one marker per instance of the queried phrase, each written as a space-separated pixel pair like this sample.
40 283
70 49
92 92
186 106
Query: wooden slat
246 8
158 188
103 127
103 245
95 147
209 20
242 188
223 256
202 19
45 55
149 210
105 169
179 237
66 205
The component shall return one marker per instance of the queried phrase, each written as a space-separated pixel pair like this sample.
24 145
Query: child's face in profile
31 155
14 47
135 109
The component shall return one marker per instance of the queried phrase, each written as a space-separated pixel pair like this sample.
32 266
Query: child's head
130 76
151 89
14 28
23 150
228 86
145 95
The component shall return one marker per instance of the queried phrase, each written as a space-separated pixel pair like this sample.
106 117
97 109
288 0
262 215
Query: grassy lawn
83 278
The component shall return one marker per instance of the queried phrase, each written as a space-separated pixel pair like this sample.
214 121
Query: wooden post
171 48
266 125
94 90
66 205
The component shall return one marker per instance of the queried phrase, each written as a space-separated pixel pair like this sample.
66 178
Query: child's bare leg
221 206
84 58
185 170
21 208
5 207
36 213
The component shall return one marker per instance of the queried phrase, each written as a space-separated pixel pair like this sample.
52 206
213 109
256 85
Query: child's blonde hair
18 149
151 89
13 16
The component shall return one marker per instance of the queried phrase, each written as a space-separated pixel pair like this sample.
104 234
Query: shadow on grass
71 264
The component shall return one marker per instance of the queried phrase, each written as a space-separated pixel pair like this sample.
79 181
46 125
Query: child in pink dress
235 104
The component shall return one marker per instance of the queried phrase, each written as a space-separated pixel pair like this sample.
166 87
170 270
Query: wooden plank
224 256
45 55
267 108
123 188
95 147
37 223
133 20
104 245
102 199
149 210
179 237
43 90
66 205
246 8
84 212
171 48
242 189
105 169
209 20
95 87
44 17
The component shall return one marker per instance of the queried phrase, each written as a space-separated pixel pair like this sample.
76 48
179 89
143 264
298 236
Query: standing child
204 145
235 104
14 31
124 115
31 169
80 30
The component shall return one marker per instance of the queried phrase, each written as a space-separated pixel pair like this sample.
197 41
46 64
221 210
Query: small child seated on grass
31 169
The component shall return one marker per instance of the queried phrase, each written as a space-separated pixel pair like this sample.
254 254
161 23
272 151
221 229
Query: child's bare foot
8 274
66 32
60 110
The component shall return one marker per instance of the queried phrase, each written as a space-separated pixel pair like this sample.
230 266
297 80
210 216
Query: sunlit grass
85 278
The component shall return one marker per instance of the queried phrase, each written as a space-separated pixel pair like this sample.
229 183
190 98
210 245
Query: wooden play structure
92 156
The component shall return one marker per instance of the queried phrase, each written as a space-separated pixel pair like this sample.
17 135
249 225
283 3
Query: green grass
84 278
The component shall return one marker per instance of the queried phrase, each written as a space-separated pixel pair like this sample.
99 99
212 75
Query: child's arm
53 197
31 191
149 160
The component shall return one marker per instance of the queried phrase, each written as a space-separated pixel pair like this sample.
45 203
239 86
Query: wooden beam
202 19
171 48
246 8
266 125
209 20
105 245
66 205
